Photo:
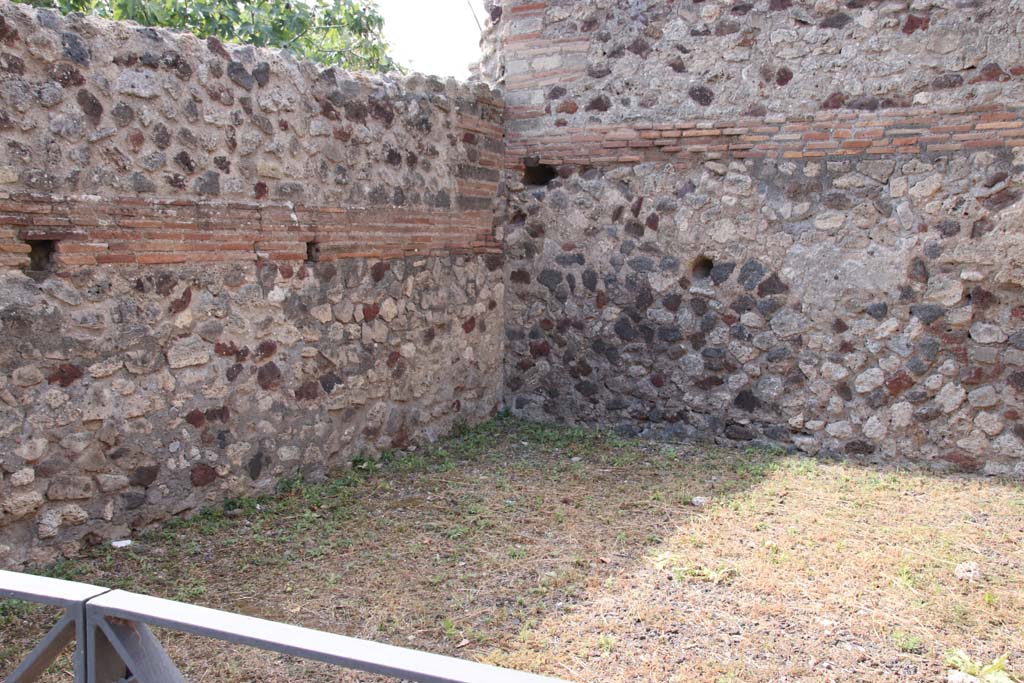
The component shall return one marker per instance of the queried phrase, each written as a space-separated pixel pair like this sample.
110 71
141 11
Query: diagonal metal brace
69 595
46 651
129 645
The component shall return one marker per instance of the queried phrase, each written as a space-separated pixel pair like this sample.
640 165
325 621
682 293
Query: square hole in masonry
41 255
536 174
312 252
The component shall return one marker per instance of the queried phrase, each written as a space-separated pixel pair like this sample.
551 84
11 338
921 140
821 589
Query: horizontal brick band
131 230
826 134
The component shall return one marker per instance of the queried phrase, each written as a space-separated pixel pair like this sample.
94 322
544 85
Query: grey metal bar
103 664
140 651
47 650
351 653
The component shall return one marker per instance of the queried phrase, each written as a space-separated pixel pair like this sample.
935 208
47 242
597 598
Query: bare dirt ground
581 555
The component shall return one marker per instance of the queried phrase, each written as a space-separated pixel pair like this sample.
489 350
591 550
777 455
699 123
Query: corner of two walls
765 222
220 266
746 221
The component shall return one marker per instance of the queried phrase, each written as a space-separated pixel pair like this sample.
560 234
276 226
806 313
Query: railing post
103 664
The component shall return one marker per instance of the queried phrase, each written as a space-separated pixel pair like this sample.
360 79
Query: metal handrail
114 642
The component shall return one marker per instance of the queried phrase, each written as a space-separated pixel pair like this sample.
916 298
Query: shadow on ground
582 555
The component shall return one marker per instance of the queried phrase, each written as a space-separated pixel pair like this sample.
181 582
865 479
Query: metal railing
113 641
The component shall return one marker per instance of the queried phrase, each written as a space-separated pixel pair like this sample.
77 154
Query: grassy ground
582 555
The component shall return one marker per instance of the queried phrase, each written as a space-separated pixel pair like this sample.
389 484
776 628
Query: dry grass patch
581 555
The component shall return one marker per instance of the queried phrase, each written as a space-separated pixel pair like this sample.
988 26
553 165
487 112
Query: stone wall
766 221
220 266
769 221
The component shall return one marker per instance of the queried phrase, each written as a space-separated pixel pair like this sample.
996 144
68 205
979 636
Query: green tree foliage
343 33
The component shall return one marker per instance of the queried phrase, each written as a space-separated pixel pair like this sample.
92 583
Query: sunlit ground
581 555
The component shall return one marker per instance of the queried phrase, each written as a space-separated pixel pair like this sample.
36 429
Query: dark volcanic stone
65 375
947 81
255 465
836 20
768 307
133 500
66 74
928 348
669 334
740 432
859 448
750 274
141 183
641 264
772 285
75 48
378 270
203 475
261 73
1016 380
878 311
720 272
898 383
161 136
550 278
701 94
239 76
743 303
208 183
948 228
918 270
308 391
540 348
522 277
269 376
834 101
927 313
122 114
625 330
185 162
91 106
144 475
962 461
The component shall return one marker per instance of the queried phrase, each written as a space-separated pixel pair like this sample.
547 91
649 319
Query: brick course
905 131
90 232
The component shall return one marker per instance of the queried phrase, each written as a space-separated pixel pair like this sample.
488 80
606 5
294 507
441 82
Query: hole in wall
41 256
701 267
537 174
312 252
